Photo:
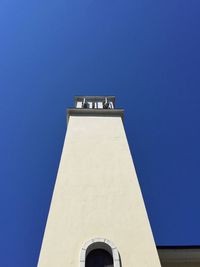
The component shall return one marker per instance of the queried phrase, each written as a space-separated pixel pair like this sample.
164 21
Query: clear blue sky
147 54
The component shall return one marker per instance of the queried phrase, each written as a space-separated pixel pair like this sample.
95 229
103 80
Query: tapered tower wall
97 194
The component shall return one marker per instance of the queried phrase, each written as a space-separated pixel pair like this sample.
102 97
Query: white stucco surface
97 195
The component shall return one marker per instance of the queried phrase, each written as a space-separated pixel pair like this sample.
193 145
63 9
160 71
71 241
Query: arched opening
99 252
99 258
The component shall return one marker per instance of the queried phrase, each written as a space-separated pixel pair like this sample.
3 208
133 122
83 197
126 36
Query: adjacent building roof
179 256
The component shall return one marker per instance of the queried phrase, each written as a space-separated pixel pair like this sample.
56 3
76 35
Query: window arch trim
99 243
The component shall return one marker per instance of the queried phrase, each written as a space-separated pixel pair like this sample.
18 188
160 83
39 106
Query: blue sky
147 54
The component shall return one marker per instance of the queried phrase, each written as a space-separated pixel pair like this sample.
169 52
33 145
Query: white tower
97 216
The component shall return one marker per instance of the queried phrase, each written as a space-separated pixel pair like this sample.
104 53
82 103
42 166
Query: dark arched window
99 258
99 252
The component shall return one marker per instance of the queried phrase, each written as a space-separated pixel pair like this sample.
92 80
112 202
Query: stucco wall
97 195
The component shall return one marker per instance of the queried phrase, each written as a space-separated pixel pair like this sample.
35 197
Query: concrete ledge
95 112
179 256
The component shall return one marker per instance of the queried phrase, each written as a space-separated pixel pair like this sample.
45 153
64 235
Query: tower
97 215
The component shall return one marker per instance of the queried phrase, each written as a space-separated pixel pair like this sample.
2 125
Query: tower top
94 102
101 106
